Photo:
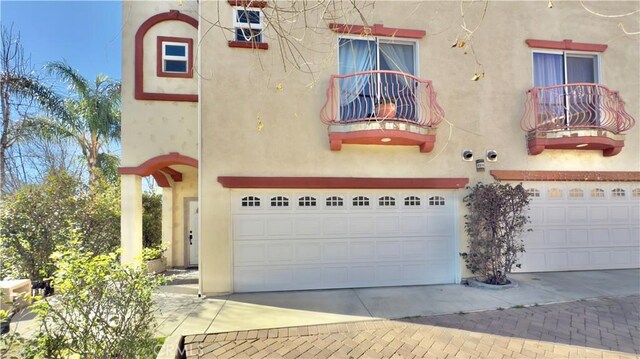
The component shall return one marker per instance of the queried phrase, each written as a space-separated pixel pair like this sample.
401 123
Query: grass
519 306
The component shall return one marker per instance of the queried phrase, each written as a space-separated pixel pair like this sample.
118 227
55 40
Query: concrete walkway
183 314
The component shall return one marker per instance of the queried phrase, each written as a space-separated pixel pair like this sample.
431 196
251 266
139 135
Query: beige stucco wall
482 115
153 128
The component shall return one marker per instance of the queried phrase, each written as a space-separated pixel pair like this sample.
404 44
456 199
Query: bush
38 218
101 309
151 220
496 218
152 253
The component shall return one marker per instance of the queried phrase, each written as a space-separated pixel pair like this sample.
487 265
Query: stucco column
131 218
167 223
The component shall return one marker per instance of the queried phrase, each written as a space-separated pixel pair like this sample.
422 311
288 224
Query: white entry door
582 226
192 234
338 239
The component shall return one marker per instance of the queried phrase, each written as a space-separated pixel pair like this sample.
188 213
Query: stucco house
350 170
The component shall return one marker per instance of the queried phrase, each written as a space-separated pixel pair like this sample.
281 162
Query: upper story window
377 72
561 68
175 57
248 23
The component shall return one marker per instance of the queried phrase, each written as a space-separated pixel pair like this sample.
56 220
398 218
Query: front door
192 234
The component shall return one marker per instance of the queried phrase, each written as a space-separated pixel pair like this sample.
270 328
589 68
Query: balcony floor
592 139
386 133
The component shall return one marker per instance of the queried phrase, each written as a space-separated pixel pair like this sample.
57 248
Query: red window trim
248 3
342 182
139 93
249 45
565 45
377 30
159 69
568 176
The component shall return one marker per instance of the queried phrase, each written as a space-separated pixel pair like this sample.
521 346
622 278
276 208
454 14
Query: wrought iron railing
573 107
381 96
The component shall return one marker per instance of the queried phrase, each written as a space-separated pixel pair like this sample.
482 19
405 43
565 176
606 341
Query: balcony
575 116
381 108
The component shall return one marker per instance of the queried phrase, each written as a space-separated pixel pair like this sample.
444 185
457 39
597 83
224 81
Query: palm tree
90 116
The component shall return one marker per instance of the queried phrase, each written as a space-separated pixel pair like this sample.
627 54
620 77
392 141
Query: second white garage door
336 239
582 226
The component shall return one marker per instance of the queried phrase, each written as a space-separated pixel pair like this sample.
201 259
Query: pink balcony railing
575 106
381 96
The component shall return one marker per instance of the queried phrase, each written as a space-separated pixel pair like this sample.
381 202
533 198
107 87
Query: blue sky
87 34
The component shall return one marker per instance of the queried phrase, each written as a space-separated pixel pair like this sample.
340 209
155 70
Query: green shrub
38 218
152 253
101 309
495 221
151 220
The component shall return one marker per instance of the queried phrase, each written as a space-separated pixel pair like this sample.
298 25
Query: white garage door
582 226
335 239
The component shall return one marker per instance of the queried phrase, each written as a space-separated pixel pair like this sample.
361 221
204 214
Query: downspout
198 72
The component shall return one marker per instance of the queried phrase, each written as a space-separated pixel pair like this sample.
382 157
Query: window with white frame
175 56
248 23
566 82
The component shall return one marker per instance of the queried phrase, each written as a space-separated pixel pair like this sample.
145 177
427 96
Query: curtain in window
580 70
547 70
355 56
397 57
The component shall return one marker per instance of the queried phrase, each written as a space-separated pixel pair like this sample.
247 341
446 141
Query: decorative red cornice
159 68
249 45
377 30
248 3
577 176
175 175
342 182
565 45
139 92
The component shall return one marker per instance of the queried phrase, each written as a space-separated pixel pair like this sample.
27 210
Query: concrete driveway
186 314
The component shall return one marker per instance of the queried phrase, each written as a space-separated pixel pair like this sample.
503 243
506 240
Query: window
174 57
617 192
412 201
436 201
576 193
554 193
248 23
597 193
250 201
361 201
636 193
386 201
379 66
307 201
575 105
279 201
533 193
335 201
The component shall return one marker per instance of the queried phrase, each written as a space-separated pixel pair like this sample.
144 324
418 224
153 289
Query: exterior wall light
385 139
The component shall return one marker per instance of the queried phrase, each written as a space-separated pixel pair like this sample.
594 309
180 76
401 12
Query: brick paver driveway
597 328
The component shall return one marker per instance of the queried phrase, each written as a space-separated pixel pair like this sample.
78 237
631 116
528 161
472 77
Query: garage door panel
634 217
619 214
578 237
556 215
599 236
621 236
556 238
578 259
335 245
598 214
578 214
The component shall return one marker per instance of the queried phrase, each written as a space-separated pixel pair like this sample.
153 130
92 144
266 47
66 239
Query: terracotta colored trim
139 92
248 3
426 142
154 164
342 182
565 45
159 68
377 30
249 45
175 175
578 176
608 146
161 180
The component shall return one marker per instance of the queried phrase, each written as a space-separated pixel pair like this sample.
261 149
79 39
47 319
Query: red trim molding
565 45
159 163
139 93
159 69
342 182
249 45
426 142
377 30
248 3
175 175
608 146
574 176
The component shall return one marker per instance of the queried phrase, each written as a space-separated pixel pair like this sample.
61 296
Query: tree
21 91
151 220
495 220
90 116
